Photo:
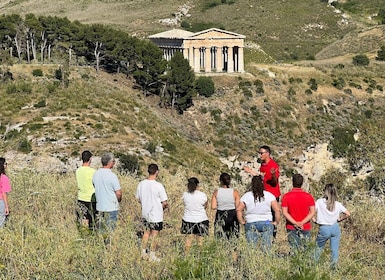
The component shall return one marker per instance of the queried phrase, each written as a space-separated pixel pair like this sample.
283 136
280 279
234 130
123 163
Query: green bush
37 72
40 104
24 146
205 86
343 140
151 147
360 60
313 84
128 163
259 87
339 83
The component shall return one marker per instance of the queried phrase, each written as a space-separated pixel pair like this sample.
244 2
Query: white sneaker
144 254
154 258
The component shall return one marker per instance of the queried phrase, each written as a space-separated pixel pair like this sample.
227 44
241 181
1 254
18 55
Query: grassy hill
286 29
287 106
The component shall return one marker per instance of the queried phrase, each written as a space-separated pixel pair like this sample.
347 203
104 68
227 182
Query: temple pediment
215 33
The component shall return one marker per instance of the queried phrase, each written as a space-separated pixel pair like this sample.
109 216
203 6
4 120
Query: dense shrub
339 83
343 140
128 163
259 87
151 147
313 84
205 86
24 146
40 104
360 60
37 72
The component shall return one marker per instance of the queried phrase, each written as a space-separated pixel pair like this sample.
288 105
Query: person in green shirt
86 204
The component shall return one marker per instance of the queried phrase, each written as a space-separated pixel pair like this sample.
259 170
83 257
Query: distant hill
286 30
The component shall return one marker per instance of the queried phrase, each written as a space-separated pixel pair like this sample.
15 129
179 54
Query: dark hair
257 188
192 184
225 179
152 168
2 167
267 148
86 156
297 180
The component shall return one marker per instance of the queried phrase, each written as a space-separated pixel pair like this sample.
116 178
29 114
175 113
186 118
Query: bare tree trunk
173 101
18 49
97 55
69 55
28 58
42 46
49 53
33 46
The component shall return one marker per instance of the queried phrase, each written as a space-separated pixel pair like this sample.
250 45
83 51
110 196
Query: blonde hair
330 193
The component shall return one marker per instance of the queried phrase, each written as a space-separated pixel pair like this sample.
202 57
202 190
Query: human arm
346 215
273 181
5 199
164 204
241 206
289 218
237 198
118 194
277 212
309 216
214 202
250 171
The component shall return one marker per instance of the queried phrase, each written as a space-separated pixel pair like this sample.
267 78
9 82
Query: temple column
220 60
207 60
241 66
196 56
230 60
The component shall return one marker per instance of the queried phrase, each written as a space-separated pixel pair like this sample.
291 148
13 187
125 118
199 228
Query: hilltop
285 29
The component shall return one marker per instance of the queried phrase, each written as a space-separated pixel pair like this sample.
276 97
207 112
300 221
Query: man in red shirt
269 171
298 207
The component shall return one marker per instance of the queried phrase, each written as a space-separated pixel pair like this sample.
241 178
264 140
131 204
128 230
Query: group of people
99 194
258 210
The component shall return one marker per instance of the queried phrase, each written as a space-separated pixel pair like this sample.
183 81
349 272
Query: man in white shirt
153 199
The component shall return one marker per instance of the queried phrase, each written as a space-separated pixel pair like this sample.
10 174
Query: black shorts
201 228
86 211
152 226
226 223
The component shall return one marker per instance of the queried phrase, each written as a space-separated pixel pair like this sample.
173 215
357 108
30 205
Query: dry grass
41 240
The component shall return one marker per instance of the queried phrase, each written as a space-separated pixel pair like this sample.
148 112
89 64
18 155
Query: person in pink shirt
5 187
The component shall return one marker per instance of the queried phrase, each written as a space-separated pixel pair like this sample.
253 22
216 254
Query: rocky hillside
101 112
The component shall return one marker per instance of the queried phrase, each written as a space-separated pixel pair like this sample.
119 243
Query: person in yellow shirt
86 204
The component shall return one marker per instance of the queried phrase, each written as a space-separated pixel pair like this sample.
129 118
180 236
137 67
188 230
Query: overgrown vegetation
43 241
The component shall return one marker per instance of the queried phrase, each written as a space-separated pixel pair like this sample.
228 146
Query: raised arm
250 171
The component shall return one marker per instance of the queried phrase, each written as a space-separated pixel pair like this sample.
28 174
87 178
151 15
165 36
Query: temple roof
183 34
173 34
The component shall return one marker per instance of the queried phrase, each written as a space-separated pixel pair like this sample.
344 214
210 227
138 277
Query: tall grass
42 241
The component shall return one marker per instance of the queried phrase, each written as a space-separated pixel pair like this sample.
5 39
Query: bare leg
189 240
153 235
145 238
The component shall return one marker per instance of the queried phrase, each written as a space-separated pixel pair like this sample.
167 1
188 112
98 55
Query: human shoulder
268 195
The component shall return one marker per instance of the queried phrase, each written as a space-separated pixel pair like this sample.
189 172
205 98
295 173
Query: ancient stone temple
211 50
